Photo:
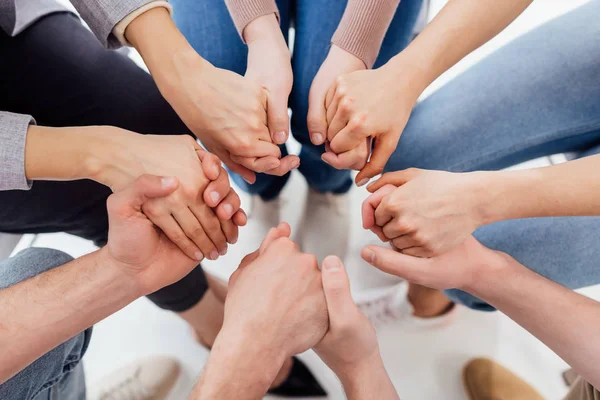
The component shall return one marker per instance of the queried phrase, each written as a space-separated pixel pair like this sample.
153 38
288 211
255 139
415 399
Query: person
331 38
89 103
521 102
348 343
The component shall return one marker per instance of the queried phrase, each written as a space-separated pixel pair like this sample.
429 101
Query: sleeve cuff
245 11
363 27
119 29
13 136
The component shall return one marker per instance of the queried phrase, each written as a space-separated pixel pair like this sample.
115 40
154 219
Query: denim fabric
57 374
537 96
209 28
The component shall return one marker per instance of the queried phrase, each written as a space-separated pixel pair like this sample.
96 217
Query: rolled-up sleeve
13 136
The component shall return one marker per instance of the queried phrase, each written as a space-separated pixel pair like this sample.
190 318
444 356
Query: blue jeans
208 27
57 374
538 95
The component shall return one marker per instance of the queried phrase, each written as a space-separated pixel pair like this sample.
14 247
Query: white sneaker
154 378
325 225
262 216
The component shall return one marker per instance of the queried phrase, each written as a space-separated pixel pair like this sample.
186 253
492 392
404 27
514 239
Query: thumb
278 119
413 269
282 230
336 286
211 165
316 118
131 199
382 150
397 178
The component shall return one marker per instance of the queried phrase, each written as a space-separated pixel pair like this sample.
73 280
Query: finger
211 164
173 231
193 229
420 252
387 260
353 159
217 190
336 287
230 230
229 206
397 178
240 218
382 150
282 230
316 118
349 136
258 148
278 119
262 164
246 174
372 203
287 164
248 259
404 242
131 199
395 228
212 227
338 121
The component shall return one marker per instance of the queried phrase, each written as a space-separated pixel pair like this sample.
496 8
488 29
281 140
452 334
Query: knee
29 263
468 300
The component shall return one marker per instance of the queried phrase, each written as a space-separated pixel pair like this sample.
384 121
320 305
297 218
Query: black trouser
58 72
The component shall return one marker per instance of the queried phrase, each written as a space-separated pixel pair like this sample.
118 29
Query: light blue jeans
536 96
209 28
58 374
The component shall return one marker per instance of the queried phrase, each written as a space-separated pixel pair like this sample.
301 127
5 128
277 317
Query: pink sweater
360 31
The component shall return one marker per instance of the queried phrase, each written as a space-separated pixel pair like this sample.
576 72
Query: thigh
208 27
536 96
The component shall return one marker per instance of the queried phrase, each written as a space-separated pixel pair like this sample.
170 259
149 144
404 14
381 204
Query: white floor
423 364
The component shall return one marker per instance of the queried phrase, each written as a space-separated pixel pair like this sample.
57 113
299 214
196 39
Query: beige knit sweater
360 31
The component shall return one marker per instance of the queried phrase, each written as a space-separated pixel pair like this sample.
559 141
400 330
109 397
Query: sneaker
325 225
383 306
154 378
262 216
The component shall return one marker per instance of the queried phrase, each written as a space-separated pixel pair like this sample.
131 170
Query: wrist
490 267
414 74
120 274
350 374
265 27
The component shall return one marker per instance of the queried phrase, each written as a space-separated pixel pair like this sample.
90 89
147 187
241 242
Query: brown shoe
485 379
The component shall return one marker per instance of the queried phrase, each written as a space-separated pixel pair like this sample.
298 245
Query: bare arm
61 303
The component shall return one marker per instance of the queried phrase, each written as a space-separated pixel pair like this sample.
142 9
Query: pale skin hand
378 103
425 213
115 157
224 110
350 346
565 321
275 308
62 302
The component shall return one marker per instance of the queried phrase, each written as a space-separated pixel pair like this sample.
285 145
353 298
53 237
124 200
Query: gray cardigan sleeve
13 135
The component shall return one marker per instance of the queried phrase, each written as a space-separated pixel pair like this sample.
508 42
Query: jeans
57 374
209 28
538 95
59 73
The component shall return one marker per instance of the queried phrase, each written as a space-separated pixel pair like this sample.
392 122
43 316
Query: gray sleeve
103 15
13 135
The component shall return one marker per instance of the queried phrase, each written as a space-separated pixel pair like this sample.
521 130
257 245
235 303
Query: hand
460 268
186 216
425 213
373 103
276 296
134 243
351 340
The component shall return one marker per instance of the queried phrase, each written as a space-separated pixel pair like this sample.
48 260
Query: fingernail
167 181
234 240
214 255
332 264
247 181
368 255
280 137
228 209
317 138
272 165
370 185
362 182
214 196
295 164
199 256
223 252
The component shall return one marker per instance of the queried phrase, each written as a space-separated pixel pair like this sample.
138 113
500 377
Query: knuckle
197 232
346 104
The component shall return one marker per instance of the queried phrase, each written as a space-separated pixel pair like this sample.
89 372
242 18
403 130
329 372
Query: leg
58 62
58 373
534 97
210 30
316 21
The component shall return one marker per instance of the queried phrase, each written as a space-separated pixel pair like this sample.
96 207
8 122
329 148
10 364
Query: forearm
460 27
42 312
568 189
367 381
237 369
565 321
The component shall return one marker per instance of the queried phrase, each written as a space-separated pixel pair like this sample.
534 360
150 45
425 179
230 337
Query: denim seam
540 139
70 364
